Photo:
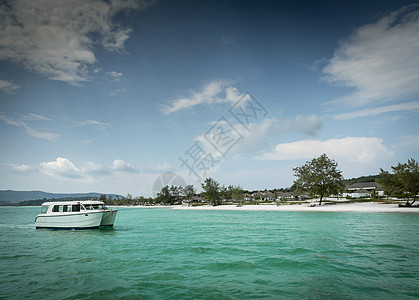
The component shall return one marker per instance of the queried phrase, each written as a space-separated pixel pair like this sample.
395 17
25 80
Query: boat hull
83 220
108 218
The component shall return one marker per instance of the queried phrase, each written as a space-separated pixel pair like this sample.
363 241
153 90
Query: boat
90 214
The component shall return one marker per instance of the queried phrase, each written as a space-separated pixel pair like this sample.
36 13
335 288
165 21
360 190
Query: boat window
60 209
89 207
76 207
67 208
44 209
56 208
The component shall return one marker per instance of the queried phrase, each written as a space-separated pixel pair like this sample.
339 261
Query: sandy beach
339 207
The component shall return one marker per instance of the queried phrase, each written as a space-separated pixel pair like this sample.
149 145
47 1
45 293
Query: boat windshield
94 206
44 209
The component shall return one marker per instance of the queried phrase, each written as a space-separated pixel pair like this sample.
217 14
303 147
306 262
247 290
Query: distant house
360 193
248 197
283 196
363 189
263 196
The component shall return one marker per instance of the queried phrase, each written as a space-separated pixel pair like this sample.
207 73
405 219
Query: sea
162 253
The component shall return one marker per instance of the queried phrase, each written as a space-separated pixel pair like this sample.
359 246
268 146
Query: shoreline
344 207
304 207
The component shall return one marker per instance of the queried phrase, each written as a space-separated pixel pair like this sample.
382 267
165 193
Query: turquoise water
174 254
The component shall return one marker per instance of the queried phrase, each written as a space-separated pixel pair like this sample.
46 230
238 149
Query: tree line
320 177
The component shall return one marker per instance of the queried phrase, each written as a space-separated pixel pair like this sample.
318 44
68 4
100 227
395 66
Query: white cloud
92 168
49 136
260 135
162 168
58 39
355 154
8 86
99 125
308 125
120 165
370 112
115 75
21 168
257 136
360 149
22 122
116 92
219 91
379 60
35 117
228 41
61 167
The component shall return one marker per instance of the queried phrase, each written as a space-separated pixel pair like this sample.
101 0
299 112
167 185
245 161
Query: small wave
200 249
18 226
390 246
165 276
297 251
286 264
14 256
236 265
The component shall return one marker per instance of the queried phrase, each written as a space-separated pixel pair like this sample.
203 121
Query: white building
363 189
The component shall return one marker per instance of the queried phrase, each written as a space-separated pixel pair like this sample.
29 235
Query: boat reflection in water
89 214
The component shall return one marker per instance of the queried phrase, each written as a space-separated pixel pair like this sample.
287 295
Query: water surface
175 254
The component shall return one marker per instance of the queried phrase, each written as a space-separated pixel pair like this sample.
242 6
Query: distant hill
10 196
370 178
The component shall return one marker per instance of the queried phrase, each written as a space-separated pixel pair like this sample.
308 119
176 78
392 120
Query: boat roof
84 202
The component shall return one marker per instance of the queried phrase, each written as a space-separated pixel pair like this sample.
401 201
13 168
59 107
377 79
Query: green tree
165 196
223 193
175 192
237 193
320 176
211 191
404 180
188 192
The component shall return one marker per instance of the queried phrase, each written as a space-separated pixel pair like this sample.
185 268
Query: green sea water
154 253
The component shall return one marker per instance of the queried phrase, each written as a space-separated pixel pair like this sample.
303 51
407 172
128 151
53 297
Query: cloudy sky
107 96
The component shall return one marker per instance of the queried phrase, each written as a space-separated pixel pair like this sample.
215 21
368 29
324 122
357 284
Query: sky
127 96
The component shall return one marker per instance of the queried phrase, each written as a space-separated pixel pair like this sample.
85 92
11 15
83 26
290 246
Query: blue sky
108 96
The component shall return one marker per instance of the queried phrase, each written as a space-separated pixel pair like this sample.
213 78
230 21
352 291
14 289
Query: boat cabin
71 206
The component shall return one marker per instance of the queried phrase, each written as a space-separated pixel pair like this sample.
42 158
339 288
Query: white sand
340 207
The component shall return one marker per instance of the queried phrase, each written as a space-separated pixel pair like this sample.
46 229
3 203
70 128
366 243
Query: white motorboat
75 215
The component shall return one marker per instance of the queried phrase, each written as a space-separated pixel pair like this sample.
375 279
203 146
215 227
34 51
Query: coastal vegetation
403 182
318 178
211 191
